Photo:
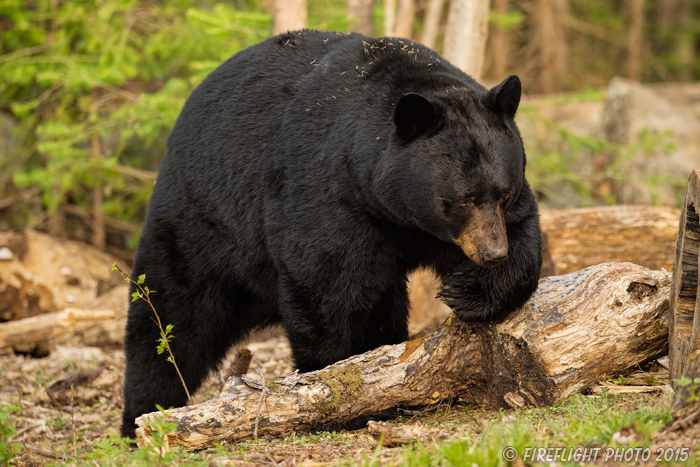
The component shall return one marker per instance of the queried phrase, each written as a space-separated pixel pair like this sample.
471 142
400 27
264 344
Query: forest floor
56 426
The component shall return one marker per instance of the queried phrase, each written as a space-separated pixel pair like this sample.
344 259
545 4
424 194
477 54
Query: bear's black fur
305 178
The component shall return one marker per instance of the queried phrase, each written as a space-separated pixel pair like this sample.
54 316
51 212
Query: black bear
304 179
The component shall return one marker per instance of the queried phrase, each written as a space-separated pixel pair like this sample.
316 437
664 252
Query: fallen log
578 238
30 334
575 331
573 239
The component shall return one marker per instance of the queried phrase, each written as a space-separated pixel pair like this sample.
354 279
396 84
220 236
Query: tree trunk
57 219
500 46
389 17
98 215
361 13
465 36
551 44
433 15
289 15
634 38
673 18
558 344
405 14
666 14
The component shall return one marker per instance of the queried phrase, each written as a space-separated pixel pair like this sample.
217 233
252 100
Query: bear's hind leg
204 328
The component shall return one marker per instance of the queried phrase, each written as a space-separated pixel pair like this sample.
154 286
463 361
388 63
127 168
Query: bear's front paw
474 315
466 297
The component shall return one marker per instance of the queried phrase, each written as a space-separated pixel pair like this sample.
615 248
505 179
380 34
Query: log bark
578 238
684 325
576 330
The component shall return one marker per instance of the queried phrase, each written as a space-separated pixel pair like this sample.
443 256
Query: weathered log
576 330
578 238
39 274
684 324
25 335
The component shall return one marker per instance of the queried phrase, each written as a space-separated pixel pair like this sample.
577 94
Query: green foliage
116 451
577 422
97 85
620 380
158 451
142 292
692 386
506 21
562 171
164 341
8 450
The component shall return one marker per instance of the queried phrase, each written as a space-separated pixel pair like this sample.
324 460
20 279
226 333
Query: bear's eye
504 197
467 200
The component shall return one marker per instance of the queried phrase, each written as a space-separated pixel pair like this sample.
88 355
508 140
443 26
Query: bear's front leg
338 319
481 293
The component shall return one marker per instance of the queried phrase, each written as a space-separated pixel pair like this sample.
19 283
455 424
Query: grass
579 422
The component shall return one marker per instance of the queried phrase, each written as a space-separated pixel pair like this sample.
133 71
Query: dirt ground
52 416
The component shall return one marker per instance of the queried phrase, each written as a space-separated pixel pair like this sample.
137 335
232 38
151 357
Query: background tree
551 42
500 46
433 17
389 17
465 36
634 37
289 15
361 13
405 14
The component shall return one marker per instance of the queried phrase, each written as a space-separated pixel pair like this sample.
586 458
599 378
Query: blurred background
89 91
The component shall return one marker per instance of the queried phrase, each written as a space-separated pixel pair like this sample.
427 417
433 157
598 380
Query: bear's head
455 166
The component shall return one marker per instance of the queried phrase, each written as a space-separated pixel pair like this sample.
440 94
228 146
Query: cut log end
684 327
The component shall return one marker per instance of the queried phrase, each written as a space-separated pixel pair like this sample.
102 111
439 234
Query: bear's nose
492 257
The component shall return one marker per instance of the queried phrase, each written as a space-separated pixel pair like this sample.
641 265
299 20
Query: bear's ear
413 116
505 97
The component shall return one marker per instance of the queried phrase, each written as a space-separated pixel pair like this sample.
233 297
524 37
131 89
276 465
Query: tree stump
684 324
575 331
